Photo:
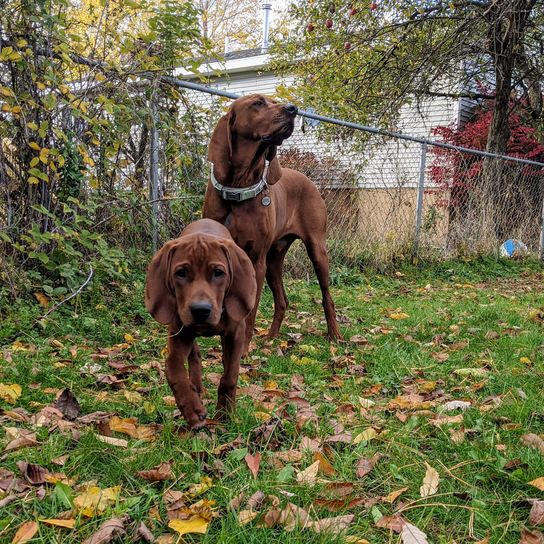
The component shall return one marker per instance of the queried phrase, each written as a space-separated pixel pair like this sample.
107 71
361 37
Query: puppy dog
201 284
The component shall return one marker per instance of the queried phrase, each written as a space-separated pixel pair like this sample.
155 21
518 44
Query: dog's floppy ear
160 300
274 168
240 297
220 147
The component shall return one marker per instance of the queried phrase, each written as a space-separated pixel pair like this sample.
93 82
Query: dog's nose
291 109
201 311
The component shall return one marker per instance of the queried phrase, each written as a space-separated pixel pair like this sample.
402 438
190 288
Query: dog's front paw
195 414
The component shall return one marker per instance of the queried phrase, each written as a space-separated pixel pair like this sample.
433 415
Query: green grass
452 308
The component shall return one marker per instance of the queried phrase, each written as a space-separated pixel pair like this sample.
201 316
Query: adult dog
264 206
201 284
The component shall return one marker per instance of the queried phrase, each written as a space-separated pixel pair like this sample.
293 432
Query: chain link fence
389 196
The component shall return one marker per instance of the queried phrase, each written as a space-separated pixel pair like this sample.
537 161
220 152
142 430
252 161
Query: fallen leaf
325 466
195 524
95 500
364 465
536 515
10 392
365 436
107 532
430 482
253 462
538 483
398 315
245 516
394 495
159 473
471 372
456 405
24 439
66 523
410 534
293 516
288 456
130 426
25 532
351 539
534 441
531 537
121 442
143 533
34 474
308 476
393 523
331 525
68 404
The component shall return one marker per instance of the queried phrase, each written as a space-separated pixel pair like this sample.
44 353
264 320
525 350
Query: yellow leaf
130 426
525 360
34 145
22 43
355 540
128 338
40 85
365 436
195 524
33 181
25 532
198 489
262 416
394 495
538 483
16 109
430 482
398 315
10 392
64 89
95 500
133 397
42 299
67 523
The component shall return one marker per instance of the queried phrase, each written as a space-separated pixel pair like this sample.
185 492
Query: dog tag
266 201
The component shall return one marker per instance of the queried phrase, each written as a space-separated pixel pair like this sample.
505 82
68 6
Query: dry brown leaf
25 532
289 456
331 525
68 404
161 472
143 533
25 439
393 523
430 482
410 534
112 441
253 462
308 476
364 465
245 516
536 515
34 474
531 537
534 441
325 466
108 531
293 516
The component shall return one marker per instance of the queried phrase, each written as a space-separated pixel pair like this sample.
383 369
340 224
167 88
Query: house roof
246 60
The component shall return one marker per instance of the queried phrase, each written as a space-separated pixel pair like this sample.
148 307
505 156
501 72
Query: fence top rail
356 126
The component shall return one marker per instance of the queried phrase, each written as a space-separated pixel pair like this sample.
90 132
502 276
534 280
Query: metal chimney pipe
267 9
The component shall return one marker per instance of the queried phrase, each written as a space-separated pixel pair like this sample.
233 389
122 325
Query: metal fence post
541 242
154 175
420 191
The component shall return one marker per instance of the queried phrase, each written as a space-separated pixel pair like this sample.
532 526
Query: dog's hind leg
317 251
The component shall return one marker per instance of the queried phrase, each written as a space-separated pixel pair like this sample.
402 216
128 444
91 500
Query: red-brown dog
201 284
264 206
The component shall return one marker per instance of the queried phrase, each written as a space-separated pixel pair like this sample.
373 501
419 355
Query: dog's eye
259 103
181 273
217 273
